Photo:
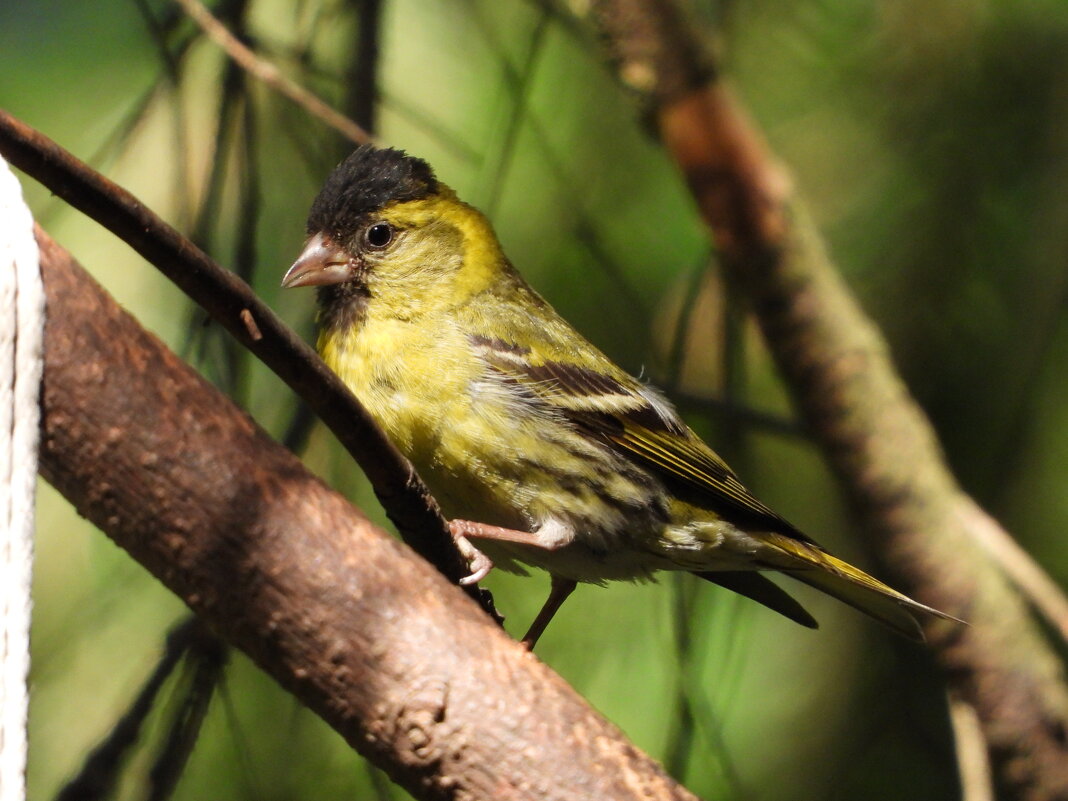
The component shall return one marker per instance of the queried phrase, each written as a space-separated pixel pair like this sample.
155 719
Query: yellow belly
488 454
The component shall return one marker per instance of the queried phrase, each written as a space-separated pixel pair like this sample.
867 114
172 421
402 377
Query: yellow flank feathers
559 458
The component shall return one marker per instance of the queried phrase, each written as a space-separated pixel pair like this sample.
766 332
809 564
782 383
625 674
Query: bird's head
384 228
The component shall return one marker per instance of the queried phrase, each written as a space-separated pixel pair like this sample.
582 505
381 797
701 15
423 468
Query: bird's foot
477 562
481 564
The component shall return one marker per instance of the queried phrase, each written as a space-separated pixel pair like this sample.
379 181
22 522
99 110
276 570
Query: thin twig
205 660
230 301
270 75
973 764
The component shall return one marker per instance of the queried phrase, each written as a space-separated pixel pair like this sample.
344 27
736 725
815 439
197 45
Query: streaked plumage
516 421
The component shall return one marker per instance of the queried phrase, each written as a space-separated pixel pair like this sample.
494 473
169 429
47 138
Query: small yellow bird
543 450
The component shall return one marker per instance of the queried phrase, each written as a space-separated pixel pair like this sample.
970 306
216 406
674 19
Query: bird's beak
320 263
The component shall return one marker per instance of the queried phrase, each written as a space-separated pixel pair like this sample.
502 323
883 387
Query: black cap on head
366 181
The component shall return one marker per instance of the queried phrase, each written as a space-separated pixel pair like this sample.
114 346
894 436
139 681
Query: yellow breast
410 377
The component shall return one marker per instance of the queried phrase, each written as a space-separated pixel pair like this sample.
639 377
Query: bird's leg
479 563
484 531
561 588
500 534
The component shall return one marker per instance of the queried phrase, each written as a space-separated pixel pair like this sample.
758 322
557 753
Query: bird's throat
342 307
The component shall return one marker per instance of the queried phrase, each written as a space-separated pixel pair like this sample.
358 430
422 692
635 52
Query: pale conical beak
320 263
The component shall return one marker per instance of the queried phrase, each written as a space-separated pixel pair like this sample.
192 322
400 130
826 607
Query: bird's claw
480 567
477 562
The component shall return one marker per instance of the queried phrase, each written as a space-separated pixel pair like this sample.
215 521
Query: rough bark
884 451
399 661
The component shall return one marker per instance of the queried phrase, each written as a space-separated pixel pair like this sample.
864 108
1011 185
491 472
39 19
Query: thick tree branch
371 638
836 363
232 303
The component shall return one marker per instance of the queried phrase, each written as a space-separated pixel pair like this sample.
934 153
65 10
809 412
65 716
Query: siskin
515 421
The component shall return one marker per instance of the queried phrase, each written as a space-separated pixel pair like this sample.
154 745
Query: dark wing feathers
635 422
762 590
573 380
694 471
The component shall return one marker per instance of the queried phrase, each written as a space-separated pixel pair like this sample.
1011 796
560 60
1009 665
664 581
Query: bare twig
973 763
270 75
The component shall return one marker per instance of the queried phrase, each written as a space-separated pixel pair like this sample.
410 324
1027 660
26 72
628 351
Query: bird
541 451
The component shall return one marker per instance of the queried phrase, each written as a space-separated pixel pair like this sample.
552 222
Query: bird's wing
590 392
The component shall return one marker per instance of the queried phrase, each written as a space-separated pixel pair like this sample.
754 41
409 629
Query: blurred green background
931 141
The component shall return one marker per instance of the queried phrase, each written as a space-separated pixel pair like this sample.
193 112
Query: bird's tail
853 586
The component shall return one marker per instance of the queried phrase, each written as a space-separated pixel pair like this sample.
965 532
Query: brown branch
269 74
233 304
371 638
836 363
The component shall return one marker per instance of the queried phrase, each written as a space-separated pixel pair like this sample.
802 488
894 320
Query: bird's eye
379 235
